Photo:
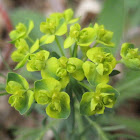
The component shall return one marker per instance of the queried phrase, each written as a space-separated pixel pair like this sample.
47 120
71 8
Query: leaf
35 46
68 42
30 27
17 78
22 103
92 75
47 39
5 93
131 123
64 105
128 86
112 17
22 62
78 74
114 72
86 104
62 28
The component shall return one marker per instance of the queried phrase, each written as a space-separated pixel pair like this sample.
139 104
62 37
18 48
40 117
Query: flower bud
71 68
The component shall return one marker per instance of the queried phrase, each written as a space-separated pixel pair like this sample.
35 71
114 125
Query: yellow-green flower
22 53
130 56
21 31
95 102
62 68
83 37
53 27
47 92
103 36
21 98
101 66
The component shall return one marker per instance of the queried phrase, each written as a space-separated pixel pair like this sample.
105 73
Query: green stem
58 44
85 86
30 39
114 128
5 93
70 51
71 119
98 128
95 45
119 61
75 50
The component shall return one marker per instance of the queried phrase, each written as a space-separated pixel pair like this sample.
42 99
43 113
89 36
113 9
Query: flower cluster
94 67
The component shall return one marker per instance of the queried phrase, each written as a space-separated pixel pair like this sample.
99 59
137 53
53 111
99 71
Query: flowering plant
83 72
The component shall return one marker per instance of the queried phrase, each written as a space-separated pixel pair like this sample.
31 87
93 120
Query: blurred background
120 16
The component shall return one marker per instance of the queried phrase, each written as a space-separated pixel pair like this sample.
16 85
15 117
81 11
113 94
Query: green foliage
21 98
95 102
112 17
130 56
47 91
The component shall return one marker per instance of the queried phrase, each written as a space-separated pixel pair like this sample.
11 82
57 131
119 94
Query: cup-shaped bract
37 61
21 98
130 56
87 37
73 35
21 31
44 90
68 15
98 56
54 26
95 102
60 106
47 91
22 50
103 36
92 75
62 68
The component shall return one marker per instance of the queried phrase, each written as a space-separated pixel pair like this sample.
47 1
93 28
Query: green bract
95 102
62 68
21 31
54 26
130 56
47 91
21 98
67 15
82 38
37 61
23 52
101 66
103 36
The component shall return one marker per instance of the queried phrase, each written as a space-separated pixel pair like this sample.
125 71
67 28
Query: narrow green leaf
2 94
35 46
112 17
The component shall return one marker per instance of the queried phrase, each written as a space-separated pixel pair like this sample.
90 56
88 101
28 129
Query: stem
71 119
95 45
58 44
114 128
70 51
98 128
75 50
5 93
119 61
30 39
85 86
